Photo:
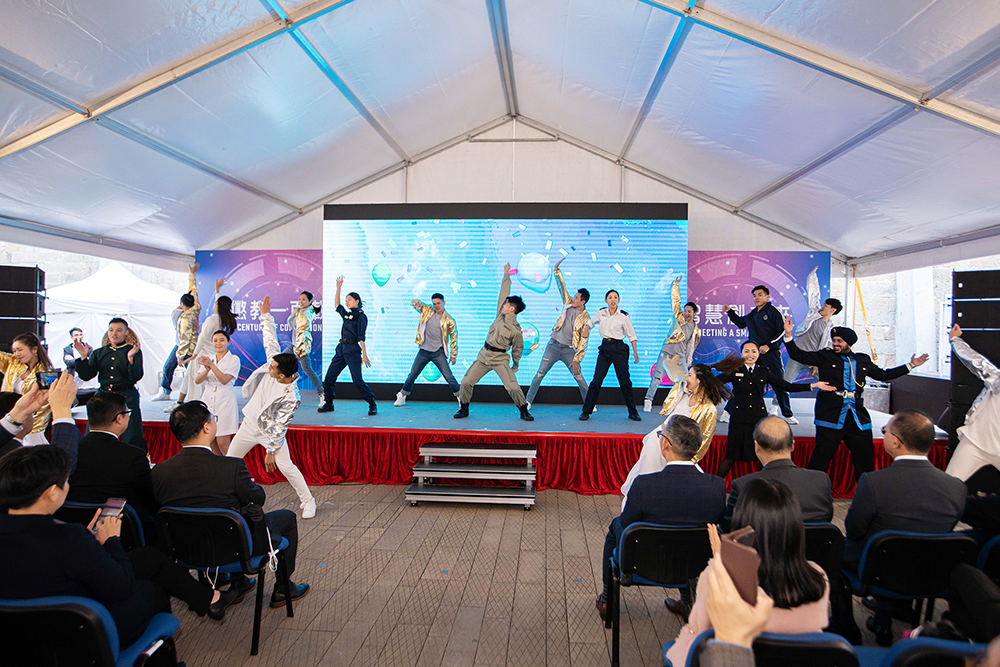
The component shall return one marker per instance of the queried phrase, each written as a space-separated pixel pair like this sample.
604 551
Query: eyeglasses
127 412
215 418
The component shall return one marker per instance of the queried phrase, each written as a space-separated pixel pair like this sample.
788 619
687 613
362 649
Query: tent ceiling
185 125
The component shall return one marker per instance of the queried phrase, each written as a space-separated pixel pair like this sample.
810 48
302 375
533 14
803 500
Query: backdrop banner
250 276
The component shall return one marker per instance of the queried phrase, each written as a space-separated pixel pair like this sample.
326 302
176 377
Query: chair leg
615 621
609 610
930 610
255 641
285 583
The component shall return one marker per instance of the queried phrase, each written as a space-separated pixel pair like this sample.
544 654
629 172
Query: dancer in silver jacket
979 439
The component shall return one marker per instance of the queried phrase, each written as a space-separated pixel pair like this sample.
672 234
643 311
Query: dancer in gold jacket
681 343
436 331
188 329
29 357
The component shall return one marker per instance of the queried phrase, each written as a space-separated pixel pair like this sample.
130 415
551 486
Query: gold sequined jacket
187 326
579 342
705 413
449 330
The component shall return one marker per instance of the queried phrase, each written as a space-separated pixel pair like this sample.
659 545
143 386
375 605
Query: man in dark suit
69 354
841 414
679 495
911 495
197 478
110 468
18 416
773 442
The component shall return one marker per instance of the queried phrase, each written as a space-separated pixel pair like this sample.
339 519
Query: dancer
750 379
614 325
272 399
840 412
681 343
218 376
504 334
300 323
350 352
694 396
435 329
117 365
764 325
979 438
27 357
221 319
170 365
187 336
814 332
567 343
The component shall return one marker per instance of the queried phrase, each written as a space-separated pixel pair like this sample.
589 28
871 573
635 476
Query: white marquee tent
145 130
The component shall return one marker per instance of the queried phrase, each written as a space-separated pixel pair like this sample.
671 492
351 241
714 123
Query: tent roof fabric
871 129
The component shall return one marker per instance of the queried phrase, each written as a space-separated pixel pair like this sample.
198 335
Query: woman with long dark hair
19 366
799 587
221 319
300 324
695 396
217 375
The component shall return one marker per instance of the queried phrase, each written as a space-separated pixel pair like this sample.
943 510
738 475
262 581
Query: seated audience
42 556
735 621
773 444
679 495
195 477
18 412
798 587
909 495
108 467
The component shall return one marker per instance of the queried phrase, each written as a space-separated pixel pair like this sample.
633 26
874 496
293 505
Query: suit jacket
811 489
831 409
110 468
678 495
65 436
910 495
747 404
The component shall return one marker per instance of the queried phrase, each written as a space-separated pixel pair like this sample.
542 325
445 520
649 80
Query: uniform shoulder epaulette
625 313
603 309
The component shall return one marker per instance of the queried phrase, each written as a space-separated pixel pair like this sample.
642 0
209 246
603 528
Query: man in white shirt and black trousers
614 326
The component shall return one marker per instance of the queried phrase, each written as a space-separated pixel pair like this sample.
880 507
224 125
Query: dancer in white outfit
218 378
979 439
222 318
273 399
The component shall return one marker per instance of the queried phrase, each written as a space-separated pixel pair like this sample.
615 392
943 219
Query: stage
591 457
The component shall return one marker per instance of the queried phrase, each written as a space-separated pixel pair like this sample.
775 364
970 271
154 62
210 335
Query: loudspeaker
22 279
9 328
22 307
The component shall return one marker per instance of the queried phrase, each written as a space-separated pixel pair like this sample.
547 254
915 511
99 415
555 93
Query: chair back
663 555
930 652
57 631
825 547
204 538
815 649
132 536
989 559
906 565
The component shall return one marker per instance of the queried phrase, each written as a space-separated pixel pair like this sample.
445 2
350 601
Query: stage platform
591 457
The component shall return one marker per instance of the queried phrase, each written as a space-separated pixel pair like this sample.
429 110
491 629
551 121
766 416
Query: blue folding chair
919 652
219 540
71 630
132 535
815 649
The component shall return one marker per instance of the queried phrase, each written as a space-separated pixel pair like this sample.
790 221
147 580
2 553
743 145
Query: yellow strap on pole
868 331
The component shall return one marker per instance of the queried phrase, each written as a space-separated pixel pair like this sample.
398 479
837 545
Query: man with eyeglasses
107 467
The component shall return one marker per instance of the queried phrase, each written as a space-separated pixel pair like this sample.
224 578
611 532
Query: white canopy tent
137 127
115 292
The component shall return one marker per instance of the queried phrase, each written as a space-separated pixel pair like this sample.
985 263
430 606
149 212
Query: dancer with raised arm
504 334
188 329
814 332
300 324
221 319
272 399
436 330
840 414
614 326
681 343
979 438
218 376
350 353
567 343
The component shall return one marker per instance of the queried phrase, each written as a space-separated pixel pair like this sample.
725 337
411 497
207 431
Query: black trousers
858 442
157 580
974 603
772 361
611 352
346 356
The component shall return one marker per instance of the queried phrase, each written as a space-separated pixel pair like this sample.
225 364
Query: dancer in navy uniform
764 325
841 414
614 326
750 379
350 352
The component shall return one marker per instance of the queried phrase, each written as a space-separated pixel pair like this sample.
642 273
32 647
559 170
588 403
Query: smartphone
742 562
44 379
113 507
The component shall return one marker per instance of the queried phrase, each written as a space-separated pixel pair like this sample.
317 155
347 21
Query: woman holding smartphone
218 377
19 366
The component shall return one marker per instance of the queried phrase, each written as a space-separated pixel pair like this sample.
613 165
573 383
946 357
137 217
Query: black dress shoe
584 417
372 408
869 603
602 606
217 610
463 411
883 636
525 415
678 608
635 417
278 594
328 407
242 587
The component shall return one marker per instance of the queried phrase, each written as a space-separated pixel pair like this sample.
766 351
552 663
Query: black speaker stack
22 303
975 308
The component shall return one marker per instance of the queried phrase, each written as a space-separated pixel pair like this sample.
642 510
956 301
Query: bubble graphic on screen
430 373
531 338
381 273
534 272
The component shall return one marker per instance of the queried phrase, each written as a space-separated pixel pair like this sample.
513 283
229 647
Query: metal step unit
429 470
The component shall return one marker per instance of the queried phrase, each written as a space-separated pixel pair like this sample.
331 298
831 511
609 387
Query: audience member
797 586
909 495
773 443
736 622
110 468
195 477
17 414
42 556
679 495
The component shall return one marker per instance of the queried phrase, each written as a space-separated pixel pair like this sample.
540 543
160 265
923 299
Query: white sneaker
322 399
529 407
647 405
162 396
309 509
594 410
724 417
774 411
400 399
170 408
791 420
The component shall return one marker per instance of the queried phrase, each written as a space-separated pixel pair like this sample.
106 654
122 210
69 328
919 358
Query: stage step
494 495
507 495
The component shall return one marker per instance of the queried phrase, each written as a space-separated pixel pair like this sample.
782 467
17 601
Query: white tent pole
497 10
826 64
